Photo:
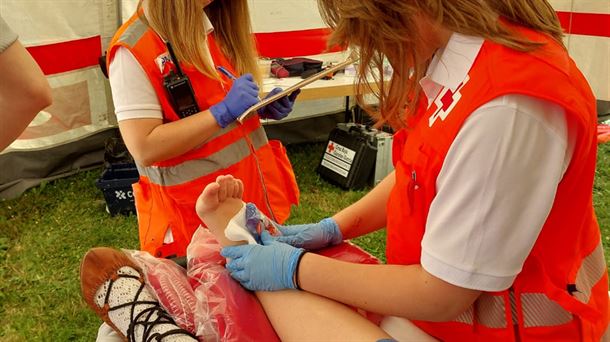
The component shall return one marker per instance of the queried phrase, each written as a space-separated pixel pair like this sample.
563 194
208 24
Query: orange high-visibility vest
562 292
166 193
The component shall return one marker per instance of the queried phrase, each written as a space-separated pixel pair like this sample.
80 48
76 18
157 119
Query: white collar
451 64
207 24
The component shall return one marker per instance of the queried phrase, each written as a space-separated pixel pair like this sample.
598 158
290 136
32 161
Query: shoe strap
162 316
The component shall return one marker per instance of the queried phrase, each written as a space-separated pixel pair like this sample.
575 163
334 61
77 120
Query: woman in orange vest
491 232
177 115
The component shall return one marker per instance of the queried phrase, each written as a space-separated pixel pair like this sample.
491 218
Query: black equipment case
352 157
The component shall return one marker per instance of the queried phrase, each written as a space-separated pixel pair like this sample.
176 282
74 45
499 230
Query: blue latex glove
242 95
311 236
267 267
279 108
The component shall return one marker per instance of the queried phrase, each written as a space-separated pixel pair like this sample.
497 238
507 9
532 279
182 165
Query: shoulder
517 120
510 107
139 38
131 32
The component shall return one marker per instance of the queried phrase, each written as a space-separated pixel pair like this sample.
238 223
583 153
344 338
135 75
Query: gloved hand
279 108
267 267
311 236
242 95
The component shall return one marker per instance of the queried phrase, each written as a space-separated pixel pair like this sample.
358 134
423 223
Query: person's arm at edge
398 290
367 214
24 91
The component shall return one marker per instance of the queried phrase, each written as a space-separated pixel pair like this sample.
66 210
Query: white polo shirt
497 183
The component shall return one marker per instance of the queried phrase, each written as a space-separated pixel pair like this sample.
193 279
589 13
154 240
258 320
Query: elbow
446 313
46 97
445 302
145 162
40 95
142 159
446 309
143 156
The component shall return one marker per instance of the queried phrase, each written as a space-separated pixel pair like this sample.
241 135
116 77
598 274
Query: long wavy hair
380 29
181 22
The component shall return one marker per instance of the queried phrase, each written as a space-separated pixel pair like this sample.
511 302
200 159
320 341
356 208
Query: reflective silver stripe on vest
537 309
193 169
133 33
540 311
466 316
590 273
489 312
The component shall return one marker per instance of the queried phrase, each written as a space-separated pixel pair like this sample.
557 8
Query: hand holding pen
227 73
276 110
242 95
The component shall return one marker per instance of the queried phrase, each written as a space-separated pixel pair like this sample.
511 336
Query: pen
227 73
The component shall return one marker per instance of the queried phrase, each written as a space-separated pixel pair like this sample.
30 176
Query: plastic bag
234 310
169 283
206 301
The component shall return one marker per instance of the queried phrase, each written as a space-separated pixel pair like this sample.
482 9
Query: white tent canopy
67 37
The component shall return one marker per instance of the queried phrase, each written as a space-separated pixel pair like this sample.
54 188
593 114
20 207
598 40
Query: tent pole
119 12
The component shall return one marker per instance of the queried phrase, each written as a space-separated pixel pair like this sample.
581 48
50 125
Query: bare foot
218 203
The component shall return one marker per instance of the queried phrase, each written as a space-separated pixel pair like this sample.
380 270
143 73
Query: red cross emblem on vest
164 63
331 147
446 101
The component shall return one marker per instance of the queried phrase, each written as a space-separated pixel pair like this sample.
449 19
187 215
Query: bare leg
295 315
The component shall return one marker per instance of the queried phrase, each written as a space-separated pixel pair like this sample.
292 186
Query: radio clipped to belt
179 89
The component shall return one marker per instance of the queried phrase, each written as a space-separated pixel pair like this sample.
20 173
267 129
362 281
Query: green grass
601 196
44 233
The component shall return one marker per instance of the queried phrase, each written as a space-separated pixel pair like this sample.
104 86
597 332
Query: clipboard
294 87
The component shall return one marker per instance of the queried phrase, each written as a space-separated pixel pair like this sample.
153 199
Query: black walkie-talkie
179 89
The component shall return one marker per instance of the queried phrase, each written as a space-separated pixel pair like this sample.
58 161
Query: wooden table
339 86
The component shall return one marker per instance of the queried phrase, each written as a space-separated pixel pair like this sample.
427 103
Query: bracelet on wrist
297 283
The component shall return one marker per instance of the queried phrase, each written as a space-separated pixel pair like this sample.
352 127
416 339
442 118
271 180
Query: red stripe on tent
293 43
66 56
587 24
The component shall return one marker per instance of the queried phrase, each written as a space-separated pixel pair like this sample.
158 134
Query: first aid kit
356 156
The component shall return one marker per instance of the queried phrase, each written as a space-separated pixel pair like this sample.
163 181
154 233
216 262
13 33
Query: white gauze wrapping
236 228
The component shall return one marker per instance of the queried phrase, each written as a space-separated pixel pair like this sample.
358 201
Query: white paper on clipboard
294 87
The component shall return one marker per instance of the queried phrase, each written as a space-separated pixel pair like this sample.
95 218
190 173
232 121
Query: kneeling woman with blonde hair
491 232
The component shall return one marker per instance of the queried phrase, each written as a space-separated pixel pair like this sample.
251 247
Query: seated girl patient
113 285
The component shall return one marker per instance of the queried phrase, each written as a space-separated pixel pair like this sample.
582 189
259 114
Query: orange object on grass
603 133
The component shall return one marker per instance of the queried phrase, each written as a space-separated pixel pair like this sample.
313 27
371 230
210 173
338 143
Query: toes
240 189
209 199
230 187
237 188
226 187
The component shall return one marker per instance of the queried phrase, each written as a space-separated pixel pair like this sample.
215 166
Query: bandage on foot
230 220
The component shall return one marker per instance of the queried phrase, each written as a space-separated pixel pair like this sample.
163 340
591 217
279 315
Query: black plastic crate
115 183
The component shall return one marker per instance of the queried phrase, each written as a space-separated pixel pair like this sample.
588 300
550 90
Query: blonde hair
390 29
181 22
